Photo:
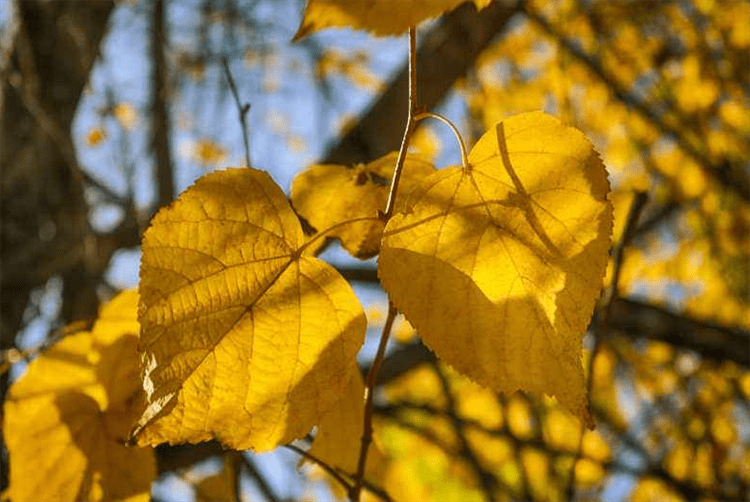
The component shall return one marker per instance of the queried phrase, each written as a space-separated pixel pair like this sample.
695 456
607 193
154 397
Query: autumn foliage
511 275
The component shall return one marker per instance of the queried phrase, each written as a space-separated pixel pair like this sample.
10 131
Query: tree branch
160 101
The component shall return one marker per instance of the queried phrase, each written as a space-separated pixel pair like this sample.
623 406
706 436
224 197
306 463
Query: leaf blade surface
243 339
328 195
380 17
66 418
499 266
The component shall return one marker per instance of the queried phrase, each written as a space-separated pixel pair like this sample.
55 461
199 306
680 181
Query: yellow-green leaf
329 194
66 419
499 266
243 338
380 17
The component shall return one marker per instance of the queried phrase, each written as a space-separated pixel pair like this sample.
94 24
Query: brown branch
259 479
636 319
372 375
160 100
487 481
330 470
630 317
627 235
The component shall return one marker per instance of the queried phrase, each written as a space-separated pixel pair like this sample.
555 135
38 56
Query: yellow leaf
125 114
379 17
520 420
588 473
220 486
95 136
208 152
243 338
340 433
499 266
650 489
421 471
67 418
536 465
329 194
216 488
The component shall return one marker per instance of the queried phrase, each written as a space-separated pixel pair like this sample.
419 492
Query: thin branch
11 356
330 470
636 207
62 140
259 479
487 480
689 491
411 124
232 468
242 110
372 376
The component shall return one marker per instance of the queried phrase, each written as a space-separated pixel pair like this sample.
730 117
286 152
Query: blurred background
110 109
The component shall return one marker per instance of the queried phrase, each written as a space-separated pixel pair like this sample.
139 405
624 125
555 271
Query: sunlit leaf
379 17
499 266
67 418
329 194
244 339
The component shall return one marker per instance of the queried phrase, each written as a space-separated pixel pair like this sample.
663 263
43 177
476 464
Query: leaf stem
461 144
372 375
323 233
410 125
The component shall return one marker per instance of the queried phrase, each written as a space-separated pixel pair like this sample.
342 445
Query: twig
241 110
487 481
11 356
263 485
372 376
330 470
639 201
232 470
63 142
411 124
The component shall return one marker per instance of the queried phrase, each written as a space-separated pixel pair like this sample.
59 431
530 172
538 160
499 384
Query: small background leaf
330 194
